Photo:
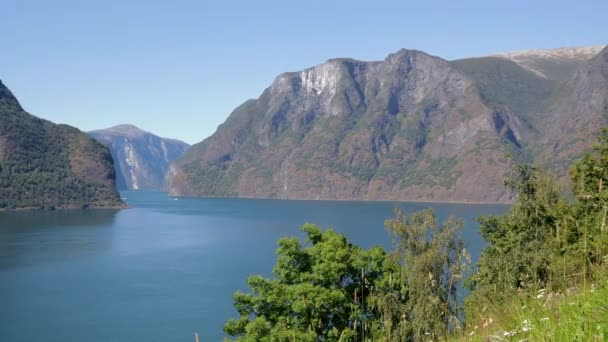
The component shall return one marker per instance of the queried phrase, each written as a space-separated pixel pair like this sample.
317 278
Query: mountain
141 158
410 127
581 110
46 166
555 64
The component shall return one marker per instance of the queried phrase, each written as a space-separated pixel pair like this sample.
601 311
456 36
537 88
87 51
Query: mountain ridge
142 158
410 127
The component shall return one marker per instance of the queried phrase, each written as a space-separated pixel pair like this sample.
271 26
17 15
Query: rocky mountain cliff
48 166
411 127
141 158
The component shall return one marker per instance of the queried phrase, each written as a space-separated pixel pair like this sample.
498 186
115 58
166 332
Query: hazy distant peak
555 64
124 129
581 52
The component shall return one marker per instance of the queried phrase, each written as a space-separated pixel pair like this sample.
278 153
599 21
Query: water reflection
28 238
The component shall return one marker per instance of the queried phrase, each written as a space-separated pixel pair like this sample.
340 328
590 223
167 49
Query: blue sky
178 68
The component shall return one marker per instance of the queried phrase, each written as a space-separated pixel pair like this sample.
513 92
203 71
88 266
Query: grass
580 316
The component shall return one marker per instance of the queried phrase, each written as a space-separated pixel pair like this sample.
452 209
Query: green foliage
320 291
432 260
552 316
331 290
542 275
519 244
545 243
47 166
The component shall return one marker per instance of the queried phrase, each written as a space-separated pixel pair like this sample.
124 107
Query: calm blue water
162 269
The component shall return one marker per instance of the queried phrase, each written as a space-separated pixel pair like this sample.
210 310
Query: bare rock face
49 166
141 158
411 127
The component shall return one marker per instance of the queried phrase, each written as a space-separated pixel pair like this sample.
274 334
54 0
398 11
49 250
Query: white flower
471 333
527 326
544 319
540 294
509 333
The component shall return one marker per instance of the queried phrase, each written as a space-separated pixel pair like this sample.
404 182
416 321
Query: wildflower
487 322
471 333
509 333
540 294
527 326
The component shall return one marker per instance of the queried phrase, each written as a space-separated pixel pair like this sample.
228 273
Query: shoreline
340 200
125 206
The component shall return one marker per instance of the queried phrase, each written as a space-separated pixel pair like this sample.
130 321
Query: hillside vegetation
48 166
541 277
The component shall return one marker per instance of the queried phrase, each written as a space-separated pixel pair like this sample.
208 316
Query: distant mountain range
410 127
48 166
141 159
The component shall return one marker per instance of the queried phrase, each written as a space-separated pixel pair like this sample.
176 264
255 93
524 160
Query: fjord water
164 268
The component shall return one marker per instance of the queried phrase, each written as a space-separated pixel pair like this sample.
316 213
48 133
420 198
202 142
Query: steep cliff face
411 127
141 158
44 165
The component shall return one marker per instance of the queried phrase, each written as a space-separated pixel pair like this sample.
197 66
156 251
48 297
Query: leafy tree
545 241
320 292
520 243
586 227
432 258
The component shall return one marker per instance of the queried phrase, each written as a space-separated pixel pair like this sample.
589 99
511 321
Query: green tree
432 258
587 227
521 246
545 241
319 292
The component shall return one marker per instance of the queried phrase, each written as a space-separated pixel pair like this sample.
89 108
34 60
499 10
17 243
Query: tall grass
581 315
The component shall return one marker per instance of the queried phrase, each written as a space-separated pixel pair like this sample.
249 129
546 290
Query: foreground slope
410 127
44 165
141 159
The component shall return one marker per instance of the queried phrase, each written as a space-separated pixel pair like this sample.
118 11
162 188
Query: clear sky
178 68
